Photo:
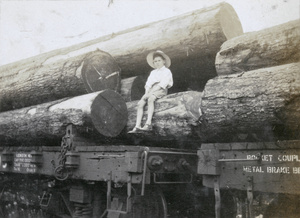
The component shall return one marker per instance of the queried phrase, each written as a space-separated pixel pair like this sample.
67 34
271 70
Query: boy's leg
140 112
151 101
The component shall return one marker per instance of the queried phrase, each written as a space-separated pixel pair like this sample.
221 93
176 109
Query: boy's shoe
147 127
135 129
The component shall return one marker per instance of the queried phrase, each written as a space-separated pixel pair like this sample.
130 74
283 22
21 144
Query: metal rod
250 196
128 203
104 156
109 191
108 196
217 197
173 152
237 160
110 155
145 154
117 211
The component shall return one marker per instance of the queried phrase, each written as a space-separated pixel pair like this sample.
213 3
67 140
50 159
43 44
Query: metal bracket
129 189
217 196
145 155
45 200
128 200
250 197
68 138
208 163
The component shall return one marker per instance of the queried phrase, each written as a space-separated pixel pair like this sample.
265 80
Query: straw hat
150 58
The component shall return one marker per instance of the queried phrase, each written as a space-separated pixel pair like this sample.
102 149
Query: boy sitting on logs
157 85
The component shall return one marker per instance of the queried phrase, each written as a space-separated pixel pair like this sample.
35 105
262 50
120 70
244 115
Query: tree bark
41 80
269 47
261 105
174 117
97 115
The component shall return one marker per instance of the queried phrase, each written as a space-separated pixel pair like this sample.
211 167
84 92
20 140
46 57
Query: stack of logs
228 86
256 95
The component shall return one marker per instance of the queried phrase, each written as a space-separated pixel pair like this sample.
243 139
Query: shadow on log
133 88
265 48
96 115
38 81
258 105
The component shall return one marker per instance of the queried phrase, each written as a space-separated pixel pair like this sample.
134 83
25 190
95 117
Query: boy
157 85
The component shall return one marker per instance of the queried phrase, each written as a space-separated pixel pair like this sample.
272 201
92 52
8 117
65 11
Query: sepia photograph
149 109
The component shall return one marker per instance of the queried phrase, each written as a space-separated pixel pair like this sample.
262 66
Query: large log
42 80
265 48
192 51
174 117
260 105
97 115
204 32
191 40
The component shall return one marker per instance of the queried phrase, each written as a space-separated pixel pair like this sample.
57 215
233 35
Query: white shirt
162 76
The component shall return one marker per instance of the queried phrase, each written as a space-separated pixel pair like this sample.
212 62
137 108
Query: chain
61 172
64 148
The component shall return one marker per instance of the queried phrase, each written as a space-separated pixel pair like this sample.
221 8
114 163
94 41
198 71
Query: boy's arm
149 83
166 80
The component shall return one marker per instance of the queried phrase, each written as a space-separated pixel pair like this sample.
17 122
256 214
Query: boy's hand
147 89
156 88
144 97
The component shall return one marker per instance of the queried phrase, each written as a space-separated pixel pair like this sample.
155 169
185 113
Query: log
174 117
126 86
204 32
266 48
258 105
95 115
133 88
192 51
42 80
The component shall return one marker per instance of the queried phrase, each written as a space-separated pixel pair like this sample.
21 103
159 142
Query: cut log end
133 88
230 22
138 87
109 113
100 71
